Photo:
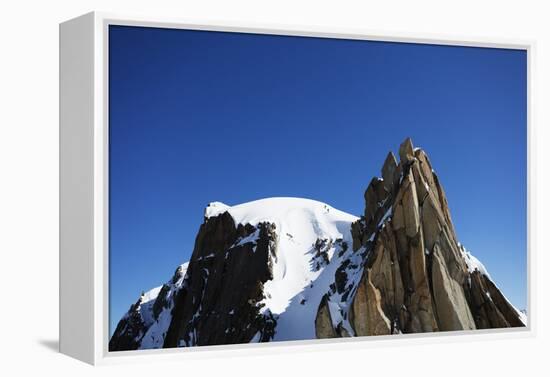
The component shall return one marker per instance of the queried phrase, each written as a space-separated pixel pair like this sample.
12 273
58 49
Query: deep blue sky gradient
200 116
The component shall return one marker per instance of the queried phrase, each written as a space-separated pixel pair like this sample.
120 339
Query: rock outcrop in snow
291 269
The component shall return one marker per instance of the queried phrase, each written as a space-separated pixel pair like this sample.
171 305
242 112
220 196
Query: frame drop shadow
50 344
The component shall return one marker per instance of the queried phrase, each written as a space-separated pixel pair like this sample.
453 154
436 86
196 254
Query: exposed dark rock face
225 285
415 275
216 299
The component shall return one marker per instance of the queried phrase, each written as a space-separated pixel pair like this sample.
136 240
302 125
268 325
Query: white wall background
29 182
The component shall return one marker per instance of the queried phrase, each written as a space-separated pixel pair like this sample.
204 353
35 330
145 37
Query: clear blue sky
198 116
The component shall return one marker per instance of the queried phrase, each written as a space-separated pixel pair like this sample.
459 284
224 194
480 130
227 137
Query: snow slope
301 274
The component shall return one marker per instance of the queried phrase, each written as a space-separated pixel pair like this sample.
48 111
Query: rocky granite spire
415 276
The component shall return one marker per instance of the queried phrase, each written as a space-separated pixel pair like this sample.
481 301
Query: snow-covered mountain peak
312 237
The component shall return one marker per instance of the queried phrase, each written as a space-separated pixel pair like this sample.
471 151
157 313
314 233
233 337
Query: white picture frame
84 221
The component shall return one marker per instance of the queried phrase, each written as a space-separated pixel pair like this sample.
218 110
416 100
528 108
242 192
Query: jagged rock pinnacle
388 171
416 277
406 151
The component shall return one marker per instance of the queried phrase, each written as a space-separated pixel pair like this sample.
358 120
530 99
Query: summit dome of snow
278 210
